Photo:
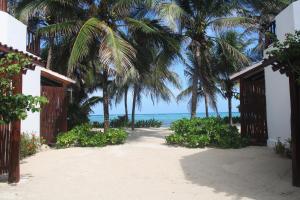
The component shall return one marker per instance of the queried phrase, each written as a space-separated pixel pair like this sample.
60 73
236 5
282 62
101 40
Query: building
267 109
16 37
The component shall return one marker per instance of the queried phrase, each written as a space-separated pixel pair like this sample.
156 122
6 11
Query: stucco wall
32 86
12 32
278 106
277 85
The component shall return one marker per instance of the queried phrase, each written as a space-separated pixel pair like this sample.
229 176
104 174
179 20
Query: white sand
146 169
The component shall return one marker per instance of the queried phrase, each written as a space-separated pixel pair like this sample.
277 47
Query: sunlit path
146 169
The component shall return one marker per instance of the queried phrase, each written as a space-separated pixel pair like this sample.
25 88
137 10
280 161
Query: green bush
202 132
235 120
148 123
175 139
83 136
29 145
196 141
116 136
121 122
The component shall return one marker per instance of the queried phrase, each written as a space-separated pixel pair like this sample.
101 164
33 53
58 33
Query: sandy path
146 169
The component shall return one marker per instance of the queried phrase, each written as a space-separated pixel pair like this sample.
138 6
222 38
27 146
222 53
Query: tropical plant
199 133
157 47
84 136
255 16
226 65
29 145
207 90
195 19
287 53
13 105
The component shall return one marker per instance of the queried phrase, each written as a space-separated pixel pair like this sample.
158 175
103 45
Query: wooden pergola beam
3 5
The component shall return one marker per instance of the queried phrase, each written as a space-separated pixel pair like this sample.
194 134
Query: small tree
15 106
288 53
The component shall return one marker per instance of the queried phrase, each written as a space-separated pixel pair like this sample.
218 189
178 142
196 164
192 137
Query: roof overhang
248 71
56 77
35 60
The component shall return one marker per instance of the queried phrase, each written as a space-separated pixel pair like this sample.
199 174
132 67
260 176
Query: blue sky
163 107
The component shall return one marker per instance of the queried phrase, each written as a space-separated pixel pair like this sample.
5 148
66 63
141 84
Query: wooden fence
253 110
5 138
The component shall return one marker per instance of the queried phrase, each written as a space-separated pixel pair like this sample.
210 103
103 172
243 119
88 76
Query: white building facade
276 88
15 37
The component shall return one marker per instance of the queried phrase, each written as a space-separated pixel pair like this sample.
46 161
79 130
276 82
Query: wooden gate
5 139
53 114
253 109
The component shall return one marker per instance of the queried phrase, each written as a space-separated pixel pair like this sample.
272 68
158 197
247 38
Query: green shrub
283 149
116 136
29 145
83 136
196 141
175 139
148 123
121 122
201 132
235 120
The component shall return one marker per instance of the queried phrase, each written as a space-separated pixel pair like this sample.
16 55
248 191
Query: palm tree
255 16
195 19
157 47
225 65
96 27
205 91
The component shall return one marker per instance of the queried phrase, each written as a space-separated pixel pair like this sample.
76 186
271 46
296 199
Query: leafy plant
29 145
121 122
15 106
148 123
202 132
283 149
84 136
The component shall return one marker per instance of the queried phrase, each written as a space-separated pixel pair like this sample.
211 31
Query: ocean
166 119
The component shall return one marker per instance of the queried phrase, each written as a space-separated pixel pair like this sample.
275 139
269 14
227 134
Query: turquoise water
166 119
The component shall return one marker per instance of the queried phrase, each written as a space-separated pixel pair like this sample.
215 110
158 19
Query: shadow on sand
254 172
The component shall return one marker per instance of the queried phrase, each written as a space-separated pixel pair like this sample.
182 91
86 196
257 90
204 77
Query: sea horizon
166 118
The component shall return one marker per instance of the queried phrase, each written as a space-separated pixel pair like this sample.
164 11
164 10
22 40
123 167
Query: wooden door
53 114
253 109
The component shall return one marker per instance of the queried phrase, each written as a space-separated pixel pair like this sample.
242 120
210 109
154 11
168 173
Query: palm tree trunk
133 106
230 109
105 101
206 105
125 102
50 53
194 96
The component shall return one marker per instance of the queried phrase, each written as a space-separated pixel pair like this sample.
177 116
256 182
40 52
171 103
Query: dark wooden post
295 128
3 5
14 164
243 130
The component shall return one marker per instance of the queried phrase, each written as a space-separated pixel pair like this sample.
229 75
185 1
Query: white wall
278 106
277 85
32 86
12 32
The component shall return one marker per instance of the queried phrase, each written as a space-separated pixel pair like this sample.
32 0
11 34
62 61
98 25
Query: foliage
148 123
29 145
235 120
84 136
202 132
288 53
15 106
121 122
116 136
283 149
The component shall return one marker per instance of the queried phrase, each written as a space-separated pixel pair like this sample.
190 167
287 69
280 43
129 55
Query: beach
145 168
